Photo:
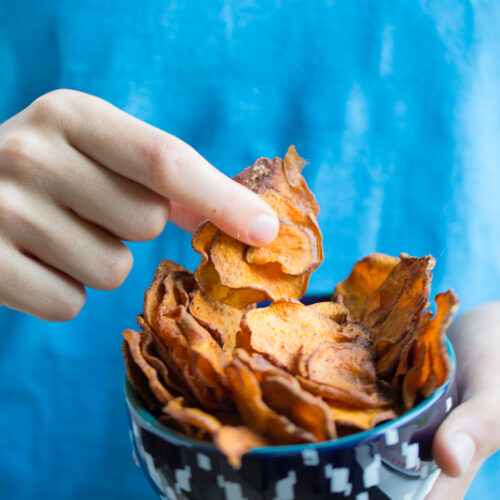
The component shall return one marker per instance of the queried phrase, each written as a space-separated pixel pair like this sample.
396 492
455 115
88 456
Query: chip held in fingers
238 274
212 363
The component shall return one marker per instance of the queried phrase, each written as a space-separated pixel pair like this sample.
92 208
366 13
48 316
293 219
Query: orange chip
282 329
361 420
282 176
256 414
345 364
298 247
221 320
155 293
134 340
333 310
286 397
396 308
343 372
206 359
293 249
236 274
159 358
358 333
235 442
242 282
366 276
192 416
431 363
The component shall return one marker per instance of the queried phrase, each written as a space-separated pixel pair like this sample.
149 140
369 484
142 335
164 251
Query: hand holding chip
471 433
77 176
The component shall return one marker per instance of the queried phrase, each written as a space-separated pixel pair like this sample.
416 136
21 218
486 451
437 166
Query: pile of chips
210 364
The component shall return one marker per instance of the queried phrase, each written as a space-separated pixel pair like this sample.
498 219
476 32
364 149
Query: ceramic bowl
391 461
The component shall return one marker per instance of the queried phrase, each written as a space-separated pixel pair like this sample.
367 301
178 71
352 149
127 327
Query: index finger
166 165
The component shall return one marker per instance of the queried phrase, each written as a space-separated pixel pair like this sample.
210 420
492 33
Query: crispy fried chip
192 416
235 442
431 363
361 420
292 249
366 276
343 364
206 360
298 246
134 340
286 397
221 320
155 293
333 310
396 308
236 274
282 329
343 372
242 283
256 414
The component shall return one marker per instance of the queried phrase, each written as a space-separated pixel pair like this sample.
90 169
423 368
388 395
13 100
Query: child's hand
77 175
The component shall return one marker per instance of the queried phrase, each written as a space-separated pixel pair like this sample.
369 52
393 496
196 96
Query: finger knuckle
10 204
164 162
117 266
19 152
51 107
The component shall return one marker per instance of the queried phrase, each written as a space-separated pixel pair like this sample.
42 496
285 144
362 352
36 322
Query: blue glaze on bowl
392 461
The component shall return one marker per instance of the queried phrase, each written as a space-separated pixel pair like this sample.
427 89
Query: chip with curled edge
286 328
238 274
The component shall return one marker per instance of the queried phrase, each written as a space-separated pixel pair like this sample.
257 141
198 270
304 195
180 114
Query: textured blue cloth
396 105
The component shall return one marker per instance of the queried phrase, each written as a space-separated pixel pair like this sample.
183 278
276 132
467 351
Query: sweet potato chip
431 364
134 340
298 247
360 420
256 414
343 372
236 274
242 282
292 249
282 329
366 276
283 177
155 293
286 397
206 359
396 308
221 320
343 364
235 442
192 416
138 380
333 310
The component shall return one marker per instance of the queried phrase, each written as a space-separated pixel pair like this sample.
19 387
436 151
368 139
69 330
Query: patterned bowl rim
149 422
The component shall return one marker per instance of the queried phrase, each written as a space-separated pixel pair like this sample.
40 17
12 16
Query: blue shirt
396 106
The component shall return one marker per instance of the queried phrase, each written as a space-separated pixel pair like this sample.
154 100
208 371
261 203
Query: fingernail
263 229
464 449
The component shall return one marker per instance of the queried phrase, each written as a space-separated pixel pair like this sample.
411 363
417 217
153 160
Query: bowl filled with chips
239 388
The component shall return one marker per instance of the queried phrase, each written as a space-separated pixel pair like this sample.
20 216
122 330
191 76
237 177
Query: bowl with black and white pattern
391 461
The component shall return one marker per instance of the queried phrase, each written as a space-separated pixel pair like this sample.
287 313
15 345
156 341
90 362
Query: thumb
469 435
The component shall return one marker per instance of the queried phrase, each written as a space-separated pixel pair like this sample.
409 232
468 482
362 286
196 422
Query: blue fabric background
396 105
